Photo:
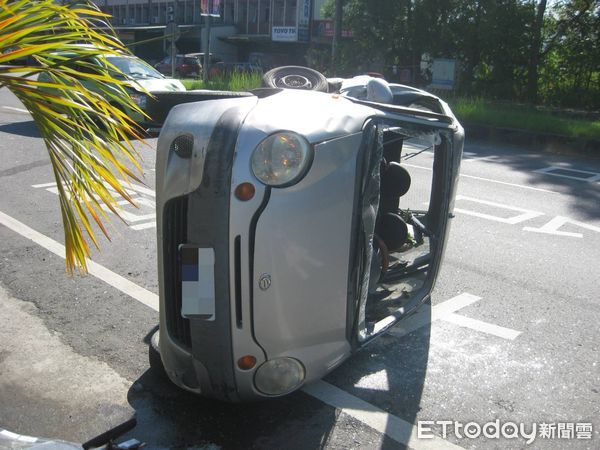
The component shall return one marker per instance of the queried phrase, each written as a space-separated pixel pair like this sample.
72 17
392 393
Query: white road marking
425 315
18 437
12 108
471 156
131 188
557 222
138 188
489 180
447 311
143 226
478 325
135 191
44 185
136 292
392 426
478 159
521 186
454 304
130 217
388 424
526 213
579 175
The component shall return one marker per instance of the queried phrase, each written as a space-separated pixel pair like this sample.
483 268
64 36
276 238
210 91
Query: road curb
540 141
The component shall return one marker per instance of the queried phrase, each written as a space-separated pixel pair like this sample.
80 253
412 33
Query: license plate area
197 282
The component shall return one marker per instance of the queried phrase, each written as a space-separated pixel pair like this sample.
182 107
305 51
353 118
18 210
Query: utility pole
337 35
171 32
206 66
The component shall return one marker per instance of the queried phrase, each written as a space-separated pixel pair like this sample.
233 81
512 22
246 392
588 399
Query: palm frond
86 132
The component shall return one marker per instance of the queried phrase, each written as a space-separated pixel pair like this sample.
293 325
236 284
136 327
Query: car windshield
134 67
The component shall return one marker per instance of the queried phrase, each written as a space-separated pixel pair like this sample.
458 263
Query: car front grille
175 233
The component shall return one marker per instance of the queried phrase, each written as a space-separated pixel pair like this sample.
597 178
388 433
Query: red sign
325 29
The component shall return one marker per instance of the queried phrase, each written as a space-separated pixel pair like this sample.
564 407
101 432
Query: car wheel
295 77
156 364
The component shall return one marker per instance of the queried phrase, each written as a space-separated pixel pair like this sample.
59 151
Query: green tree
487 37
505 49
380 33
569 70
87 135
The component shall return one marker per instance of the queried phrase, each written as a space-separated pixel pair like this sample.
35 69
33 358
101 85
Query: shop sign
442 73
284 34
303 20
210 8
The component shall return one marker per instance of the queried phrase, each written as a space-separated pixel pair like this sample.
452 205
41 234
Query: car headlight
281 159
279 376
139 99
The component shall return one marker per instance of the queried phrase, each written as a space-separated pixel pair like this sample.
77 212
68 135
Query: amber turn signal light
246 362
245 191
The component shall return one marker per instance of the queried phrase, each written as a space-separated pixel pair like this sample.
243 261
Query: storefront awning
242 38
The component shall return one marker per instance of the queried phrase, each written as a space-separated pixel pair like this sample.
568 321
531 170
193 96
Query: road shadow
169 417
390 371
27 128
584 196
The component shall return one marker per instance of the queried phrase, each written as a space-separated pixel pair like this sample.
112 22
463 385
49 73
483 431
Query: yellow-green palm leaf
87 135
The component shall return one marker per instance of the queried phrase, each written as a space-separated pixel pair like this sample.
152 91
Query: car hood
156 84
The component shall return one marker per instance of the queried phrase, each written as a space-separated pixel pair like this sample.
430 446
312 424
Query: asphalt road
512 335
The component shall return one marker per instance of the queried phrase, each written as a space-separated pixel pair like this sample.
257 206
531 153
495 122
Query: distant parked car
140 76
200 55
185 66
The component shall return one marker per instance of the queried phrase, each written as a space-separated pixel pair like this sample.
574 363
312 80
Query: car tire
295 77
156 364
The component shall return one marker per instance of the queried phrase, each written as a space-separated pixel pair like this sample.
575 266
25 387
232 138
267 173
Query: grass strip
520 117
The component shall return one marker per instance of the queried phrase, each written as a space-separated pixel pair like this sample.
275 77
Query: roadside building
267 32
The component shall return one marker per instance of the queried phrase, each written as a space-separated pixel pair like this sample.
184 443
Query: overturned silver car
294 226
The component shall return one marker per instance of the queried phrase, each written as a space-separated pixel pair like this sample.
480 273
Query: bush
237 81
